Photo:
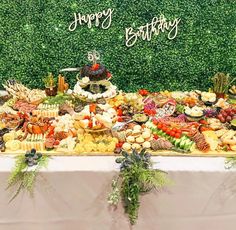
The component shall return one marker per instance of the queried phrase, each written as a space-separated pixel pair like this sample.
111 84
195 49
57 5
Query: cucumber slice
182 144
177 142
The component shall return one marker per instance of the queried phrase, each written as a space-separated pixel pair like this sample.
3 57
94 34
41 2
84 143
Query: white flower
85 80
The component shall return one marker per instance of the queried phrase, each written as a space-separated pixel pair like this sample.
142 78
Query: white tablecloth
71 194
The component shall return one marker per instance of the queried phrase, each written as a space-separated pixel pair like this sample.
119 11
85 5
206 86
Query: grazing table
71 194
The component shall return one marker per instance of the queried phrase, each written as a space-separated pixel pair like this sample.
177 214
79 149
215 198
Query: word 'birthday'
103 18
157 26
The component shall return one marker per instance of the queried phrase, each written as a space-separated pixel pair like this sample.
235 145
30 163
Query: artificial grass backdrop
35 40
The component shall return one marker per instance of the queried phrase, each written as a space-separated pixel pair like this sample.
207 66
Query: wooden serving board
196 153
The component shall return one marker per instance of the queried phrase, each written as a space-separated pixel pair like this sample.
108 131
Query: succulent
143 159
32 157
49 80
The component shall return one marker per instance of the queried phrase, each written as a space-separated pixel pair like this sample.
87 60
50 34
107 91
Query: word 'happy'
104 18
157 26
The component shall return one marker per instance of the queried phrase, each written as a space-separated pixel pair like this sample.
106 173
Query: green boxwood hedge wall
35 40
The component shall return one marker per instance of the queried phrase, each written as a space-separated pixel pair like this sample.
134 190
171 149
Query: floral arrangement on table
137 177
24 174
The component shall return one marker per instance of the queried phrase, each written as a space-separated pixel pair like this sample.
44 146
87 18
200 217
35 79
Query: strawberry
203 122
119 144
56 142
143 92
95 66
154 121
119 119
92 108
109 75
90 124
119 112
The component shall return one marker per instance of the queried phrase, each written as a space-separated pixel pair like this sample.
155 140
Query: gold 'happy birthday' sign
145 32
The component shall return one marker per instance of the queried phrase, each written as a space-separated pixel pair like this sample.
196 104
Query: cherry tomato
168 131
90 124
172 133
143 92
180 133
119 112
120 119
164 128
159 126
119 144
155 136
56 142
203 122
155 122
146 111
153 112
174 129
177 135
92 108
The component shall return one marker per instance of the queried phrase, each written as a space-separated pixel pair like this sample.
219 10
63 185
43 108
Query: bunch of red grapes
226 115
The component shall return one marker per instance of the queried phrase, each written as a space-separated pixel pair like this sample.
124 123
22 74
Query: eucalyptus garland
136 178
24 173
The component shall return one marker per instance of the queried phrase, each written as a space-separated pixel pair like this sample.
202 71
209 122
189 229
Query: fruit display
194 114
208 98
226 115
140 118
94 83
95 118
